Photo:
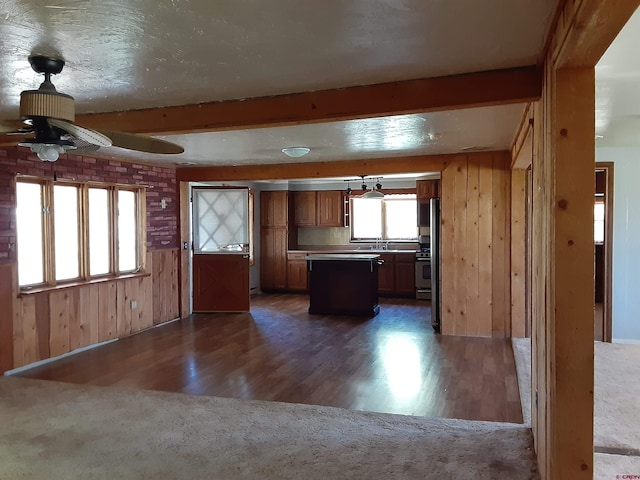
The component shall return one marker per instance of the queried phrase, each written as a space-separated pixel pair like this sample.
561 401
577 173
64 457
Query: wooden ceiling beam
347 168
586 28
497 87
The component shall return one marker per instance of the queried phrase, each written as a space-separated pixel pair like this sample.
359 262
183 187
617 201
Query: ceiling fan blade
86 134
11 126
142 143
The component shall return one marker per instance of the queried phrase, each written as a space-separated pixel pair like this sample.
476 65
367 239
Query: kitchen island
343 284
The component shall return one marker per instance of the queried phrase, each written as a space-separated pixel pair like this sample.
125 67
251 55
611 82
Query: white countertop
342 256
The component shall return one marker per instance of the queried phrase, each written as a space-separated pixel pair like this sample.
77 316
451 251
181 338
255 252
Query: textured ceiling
149 53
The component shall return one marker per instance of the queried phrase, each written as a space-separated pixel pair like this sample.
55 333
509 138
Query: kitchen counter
343 284
342 256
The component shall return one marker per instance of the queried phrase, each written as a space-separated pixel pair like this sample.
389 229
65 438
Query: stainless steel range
423 274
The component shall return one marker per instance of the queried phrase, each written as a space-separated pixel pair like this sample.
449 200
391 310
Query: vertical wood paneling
107 311
43 326
501 252
89 315
485 240
447 284
59 321
184 296
518 252
475 245
6 316
123 309
73 315
145 302
459 247
165 284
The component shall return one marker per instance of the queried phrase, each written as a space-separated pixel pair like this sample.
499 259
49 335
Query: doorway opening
603 250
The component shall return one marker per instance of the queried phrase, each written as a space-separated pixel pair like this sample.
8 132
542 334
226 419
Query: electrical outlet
134 304
185 245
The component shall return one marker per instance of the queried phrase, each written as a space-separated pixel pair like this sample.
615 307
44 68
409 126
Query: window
71 231
598 221
393 217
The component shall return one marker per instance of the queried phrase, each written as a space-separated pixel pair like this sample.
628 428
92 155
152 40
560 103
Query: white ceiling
155 53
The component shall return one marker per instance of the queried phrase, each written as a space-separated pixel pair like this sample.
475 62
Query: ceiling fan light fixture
296 152
47 152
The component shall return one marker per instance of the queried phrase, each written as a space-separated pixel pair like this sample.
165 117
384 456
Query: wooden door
221 282
220 274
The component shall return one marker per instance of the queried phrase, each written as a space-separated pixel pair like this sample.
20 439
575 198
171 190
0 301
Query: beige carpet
60 431
616 421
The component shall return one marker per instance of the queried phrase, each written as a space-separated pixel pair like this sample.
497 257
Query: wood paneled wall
54 322
518 249
475 205
163 265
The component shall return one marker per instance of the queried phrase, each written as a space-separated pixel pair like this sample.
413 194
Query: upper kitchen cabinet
273 208
319 209
427 189
304 208
330 208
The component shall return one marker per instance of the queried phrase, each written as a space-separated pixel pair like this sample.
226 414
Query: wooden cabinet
427 189
329 211
274 208
273 240
318 209
297 272
273 258
386 274
405 269
304 204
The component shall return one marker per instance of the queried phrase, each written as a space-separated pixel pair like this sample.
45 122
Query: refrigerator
436 300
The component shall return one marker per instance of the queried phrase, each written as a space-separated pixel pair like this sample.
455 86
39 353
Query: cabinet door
297 275
273 258
330 209
304 209
386 274
273 208
427 189
405 277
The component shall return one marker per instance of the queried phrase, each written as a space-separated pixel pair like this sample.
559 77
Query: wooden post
570 340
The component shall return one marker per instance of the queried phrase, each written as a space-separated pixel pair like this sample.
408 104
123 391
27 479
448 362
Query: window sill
80 283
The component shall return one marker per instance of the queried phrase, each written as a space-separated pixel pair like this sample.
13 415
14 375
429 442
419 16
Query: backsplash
323 235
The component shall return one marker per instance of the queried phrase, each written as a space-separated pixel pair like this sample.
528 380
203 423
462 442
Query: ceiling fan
49 116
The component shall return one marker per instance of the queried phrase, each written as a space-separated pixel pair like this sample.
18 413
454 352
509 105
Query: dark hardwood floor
391 363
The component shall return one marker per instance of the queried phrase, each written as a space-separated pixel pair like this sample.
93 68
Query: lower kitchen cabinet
273 258
405 269
297 279
386 274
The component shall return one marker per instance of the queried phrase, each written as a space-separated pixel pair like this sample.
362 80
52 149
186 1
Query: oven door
423 278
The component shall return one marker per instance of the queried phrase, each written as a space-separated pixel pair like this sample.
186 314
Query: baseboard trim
626 340
59 357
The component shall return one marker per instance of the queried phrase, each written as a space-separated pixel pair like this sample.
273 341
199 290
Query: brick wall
162 229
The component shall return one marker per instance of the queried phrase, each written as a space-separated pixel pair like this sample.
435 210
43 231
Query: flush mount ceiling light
296 152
